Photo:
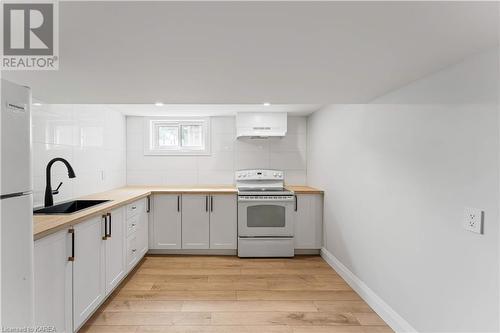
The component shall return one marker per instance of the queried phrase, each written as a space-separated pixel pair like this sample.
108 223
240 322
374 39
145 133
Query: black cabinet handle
72 257
296 203
109 221
206 203
211 203
105 217
178 203
149 204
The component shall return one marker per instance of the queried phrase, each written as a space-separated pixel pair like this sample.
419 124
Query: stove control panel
259 174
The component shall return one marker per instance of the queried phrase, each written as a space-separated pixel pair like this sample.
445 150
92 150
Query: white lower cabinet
77 268
89 267
114 246
223 221
309 221
166 225
53 282
137 233
195 221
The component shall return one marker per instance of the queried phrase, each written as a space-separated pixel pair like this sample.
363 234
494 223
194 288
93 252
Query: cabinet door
223 221
195 221
309 221
53 282
115 247
88 269
166 226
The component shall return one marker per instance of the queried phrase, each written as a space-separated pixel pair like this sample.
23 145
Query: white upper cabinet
114 243
89 268
309 221
195 221
223 221
53 282
166 222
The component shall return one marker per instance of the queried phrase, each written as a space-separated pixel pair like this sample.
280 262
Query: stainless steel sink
69 207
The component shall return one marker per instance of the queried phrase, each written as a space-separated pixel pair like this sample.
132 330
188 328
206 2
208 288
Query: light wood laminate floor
215 294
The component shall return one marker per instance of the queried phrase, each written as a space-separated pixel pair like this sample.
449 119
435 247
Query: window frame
151 125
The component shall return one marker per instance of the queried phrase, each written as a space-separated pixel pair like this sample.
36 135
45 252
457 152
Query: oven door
259 217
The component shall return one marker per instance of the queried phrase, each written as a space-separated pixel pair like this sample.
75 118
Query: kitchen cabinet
223 221
99 262
77 268
195 221
309 221
53 282
89 269
114 246
166 222
137 232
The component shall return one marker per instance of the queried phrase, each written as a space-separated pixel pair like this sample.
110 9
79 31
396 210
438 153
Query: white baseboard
391 317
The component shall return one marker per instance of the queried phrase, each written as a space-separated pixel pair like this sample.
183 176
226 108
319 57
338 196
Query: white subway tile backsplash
213 177
90 137
217 161
107 152
252 145
228 154
287 160
223 125
296 125
291 142
223 142
296 177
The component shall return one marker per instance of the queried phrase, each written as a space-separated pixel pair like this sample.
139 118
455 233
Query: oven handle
291 199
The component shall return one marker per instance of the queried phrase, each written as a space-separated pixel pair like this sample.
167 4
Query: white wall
91 138
397 178
228 154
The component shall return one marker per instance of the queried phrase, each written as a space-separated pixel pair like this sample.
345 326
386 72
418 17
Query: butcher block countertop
44 225
300 189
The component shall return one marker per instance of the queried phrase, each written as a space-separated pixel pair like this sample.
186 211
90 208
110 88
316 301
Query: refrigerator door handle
13 195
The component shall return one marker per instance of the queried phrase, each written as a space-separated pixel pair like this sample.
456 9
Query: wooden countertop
44 225
301 189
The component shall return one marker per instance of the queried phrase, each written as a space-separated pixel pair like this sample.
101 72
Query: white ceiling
253 52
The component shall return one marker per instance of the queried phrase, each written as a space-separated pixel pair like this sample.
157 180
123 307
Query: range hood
261 124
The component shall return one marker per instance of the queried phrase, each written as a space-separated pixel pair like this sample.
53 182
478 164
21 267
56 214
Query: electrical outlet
473 220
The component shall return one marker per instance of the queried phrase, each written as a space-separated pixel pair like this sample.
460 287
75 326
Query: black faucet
49 199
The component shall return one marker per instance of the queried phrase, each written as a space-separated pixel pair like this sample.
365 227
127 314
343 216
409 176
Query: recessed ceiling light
37 104
267 104
159 104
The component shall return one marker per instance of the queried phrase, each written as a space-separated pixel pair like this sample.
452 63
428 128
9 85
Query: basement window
177 136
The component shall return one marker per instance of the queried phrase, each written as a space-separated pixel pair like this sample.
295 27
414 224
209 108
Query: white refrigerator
16 208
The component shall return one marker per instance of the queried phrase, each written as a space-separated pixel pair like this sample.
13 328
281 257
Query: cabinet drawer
132 251
135 208
133 224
